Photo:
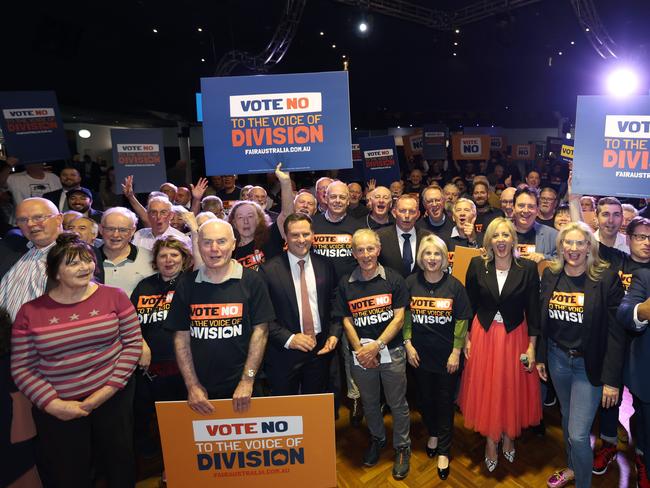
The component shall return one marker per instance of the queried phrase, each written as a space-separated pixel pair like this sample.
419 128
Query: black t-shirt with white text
333 240
435 308
152 298
372 304
220 319
566 311
526 242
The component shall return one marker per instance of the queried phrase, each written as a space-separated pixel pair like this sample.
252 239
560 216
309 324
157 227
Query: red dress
496 394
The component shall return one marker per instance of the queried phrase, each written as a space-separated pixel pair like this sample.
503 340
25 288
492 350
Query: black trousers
147 392
67 450
306 376
642 418
436 393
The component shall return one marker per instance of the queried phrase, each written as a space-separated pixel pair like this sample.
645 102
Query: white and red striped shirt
69 351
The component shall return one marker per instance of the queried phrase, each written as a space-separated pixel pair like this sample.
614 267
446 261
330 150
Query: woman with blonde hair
434 337
581 342
498 395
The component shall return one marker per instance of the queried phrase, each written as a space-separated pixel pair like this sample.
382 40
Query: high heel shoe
509 455
491 464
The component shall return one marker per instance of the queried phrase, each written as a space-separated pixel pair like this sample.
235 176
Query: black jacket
603 338
277 275
391 253
518 299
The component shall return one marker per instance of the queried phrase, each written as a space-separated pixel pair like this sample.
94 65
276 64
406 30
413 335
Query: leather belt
572 353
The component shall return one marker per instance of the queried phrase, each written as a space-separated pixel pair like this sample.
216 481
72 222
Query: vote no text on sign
470 146
611 153
140 153
278 442
252 123
32 126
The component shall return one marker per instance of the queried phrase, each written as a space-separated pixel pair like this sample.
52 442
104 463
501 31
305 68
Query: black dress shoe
431 452
443 473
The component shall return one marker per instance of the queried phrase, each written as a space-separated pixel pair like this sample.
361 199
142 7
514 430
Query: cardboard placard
252 123
470 146
462 258
279 442
612 146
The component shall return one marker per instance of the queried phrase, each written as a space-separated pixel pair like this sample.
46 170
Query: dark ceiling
105 56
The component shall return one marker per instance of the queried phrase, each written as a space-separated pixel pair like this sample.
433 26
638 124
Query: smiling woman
73 353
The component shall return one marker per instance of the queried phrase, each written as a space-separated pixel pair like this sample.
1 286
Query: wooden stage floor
536 459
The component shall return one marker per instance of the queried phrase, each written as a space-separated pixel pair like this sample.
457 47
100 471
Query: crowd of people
215 291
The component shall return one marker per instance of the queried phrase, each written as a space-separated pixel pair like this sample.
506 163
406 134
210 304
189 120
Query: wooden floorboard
536 459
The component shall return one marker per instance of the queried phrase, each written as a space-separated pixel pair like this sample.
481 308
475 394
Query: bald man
508 201
221 360
333 229
41 223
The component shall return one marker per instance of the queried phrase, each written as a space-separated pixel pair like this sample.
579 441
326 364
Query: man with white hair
220 315
119 262
160 213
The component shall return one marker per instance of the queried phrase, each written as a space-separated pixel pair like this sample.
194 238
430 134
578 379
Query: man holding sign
220 314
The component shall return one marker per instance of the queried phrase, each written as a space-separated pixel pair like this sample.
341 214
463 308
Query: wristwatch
249 374
381 344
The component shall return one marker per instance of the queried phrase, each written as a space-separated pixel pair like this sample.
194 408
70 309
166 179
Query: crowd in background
311 283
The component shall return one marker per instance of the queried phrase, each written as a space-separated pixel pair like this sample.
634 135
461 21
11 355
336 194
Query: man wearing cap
81 200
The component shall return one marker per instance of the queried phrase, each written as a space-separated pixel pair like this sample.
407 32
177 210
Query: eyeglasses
37 219
577 244
120 230
547 199
640 237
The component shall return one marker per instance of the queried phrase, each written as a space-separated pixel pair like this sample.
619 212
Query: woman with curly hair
251 227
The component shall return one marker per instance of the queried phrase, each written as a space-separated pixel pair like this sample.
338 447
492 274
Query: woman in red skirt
499 396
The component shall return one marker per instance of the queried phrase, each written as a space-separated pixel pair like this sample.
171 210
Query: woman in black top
160 379
582 343
498 396
434 334
251 226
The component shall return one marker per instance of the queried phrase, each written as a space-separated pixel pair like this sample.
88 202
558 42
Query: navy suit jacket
277 275
637 361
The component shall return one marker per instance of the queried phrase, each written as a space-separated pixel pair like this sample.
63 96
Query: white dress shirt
310 277
412 241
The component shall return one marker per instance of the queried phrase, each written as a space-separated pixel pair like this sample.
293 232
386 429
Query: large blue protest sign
434 144
32 126
380 159
612 146
252 123
141 153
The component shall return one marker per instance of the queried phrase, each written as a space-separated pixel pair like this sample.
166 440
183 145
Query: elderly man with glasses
159 213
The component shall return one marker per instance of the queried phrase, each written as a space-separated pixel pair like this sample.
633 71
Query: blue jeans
579 401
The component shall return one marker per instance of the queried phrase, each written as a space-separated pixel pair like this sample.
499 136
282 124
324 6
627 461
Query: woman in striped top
74 351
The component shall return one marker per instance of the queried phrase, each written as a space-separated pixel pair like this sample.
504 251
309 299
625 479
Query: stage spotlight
568 135
363 27
84 133
322 33
622 82
155 31
199 29
457 31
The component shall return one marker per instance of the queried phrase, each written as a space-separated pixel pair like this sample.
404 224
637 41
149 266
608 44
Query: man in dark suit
634 314
301 285
400 242
70 179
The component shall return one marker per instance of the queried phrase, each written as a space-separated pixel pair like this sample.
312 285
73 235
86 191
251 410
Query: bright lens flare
622 82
